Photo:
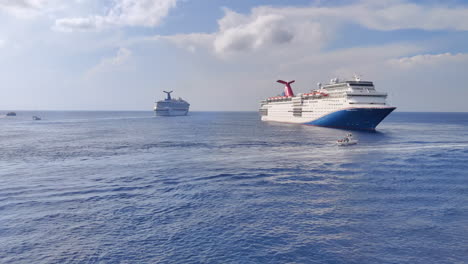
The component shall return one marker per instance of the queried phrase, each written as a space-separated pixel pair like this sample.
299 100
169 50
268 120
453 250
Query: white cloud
239 34
140 12
29 8
79 24
251 33
262 30
383 15
108 64
401 15
428 60
146 13
23 3
122 56
190 42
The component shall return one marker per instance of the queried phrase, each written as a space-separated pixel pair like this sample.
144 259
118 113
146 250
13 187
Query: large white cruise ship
341 104
171 107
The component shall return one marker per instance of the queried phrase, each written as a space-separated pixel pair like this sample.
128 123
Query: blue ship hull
354 118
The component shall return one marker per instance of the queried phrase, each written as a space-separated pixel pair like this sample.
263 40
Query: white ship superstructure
343 104
171 107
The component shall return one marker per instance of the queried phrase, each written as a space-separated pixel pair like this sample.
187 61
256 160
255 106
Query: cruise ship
340 104
171 107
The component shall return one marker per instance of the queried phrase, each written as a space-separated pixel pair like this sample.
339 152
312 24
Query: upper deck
355 91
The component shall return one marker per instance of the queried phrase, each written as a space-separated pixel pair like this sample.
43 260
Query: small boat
36 118
11 114
347 140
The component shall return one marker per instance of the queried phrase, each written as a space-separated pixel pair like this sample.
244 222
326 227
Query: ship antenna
287 88
357 78
168 95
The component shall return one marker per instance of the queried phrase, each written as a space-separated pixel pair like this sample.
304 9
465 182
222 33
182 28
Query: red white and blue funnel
287 88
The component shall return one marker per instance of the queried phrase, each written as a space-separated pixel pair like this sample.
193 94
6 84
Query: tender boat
347 140
36 118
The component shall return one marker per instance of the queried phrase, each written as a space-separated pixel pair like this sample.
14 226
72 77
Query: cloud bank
25 8
312 27
147 13
429 60
107 64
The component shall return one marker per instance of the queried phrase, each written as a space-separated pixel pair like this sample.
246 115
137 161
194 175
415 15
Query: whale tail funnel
287 88
168 95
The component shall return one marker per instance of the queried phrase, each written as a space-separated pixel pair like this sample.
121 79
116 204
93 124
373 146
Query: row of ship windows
309 101
305 111
327 105
325 100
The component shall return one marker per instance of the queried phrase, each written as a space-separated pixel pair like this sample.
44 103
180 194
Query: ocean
224 187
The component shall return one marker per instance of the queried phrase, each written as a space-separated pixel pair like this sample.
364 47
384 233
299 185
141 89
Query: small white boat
346 141
36 118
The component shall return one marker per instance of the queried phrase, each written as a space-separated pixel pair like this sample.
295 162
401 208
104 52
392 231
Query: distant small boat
36 118
11 114
346 141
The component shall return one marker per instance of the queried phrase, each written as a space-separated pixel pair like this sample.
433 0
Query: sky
227 55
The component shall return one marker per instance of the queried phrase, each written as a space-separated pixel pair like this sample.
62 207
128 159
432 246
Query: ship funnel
168 95
287 89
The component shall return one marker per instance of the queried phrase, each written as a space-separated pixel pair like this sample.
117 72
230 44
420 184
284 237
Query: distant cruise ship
341 104
171 107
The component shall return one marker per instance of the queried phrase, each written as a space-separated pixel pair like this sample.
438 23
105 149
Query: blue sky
227 55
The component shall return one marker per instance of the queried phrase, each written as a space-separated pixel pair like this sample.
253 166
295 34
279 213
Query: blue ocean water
224 187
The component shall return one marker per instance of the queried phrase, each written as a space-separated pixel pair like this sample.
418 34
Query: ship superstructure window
336 87
362 84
